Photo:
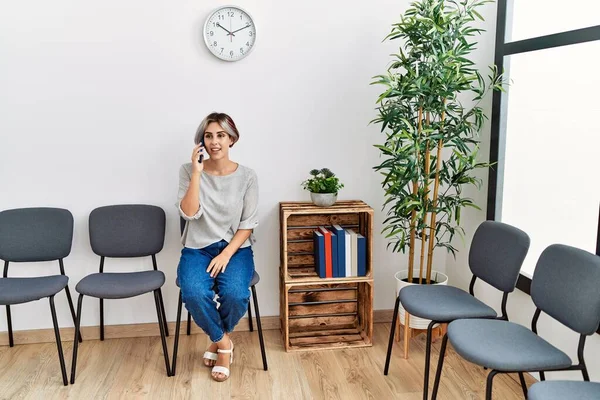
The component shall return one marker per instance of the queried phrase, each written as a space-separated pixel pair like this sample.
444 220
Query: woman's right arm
189 187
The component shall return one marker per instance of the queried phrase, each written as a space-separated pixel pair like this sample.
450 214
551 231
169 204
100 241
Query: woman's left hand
218 264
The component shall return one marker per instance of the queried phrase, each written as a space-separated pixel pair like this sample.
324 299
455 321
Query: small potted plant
323 186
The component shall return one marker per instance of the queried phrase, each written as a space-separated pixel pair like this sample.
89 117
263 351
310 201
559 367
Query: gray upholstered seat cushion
23 290
443 303
254 281
120 285
561 390
504 346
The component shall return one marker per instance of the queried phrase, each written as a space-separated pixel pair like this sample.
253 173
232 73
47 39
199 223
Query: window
544 136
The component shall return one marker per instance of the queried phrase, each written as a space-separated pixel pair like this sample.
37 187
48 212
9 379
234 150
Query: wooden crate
326 316
298 220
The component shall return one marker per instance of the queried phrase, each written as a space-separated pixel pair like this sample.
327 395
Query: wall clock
229 33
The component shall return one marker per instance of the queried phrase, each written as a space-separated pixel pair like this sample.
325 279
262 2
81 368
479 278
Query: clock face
229 33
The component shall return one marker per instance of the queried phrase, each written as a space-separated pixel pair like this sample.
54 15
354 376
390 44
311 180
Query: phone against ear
201 151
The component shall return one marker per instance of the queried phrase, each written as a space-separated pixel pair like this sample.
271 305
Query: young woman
219 200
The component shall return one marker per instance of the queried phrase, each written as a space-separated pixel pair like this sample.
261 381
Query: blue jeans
232 286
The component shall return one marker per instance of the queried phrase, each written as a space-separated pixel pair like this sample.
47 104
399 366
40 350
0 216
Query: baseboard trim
144 330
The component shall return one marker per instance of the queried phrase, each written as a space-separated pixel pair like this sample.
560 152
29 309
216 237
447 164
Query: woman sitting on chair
219 200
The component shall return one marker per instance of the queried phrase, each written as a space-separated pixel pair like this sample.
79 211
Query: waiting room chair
35 235
565 286
253 282
125 231
561 390
496 255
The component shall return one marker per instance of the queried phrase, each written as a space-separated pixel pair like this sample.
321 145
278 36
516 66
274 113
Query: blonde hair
224 121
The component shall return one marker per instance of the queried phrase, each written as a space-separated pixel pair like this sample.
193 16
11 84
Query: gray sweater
227 203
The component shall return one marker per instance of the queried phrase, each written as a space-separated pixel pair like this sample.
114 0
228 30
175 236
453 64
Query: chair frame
489 382
11 342
52 310
160 312
162 304
160 315
504 317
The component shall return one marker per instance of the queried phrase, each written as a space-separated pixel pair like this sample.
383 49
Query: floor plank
134 368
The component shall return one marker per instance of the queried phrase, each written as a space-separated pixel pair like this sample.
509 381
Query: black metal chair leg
440 366
76 340
488 386
164 314
189 324
391 341
101 319
70 300
176 344
11 342
250 318
523 384
584 372
61 357
260 332
427 361
162 332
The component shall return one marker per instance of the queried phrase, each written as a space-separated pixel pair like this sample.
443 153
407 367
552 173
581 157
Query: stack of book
339 252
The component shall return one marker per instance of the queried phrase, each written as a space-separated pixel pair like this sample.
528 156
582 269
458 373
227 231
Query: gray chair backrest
131 230
566 286
35 234
497 253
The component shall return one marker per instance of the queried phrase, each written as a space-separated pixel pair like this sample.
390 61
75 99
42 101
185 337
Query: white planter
323 199
416 322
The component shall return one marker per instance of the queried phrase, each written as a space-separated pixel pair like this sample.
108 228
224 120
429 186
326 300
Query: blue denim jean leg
198 289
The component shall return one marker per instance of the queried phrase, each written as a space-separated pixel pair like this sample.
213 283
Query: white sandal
209 355
223 370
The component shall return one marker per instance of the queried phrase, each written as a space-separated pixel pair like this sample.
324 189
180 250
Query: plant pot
323 199
416 322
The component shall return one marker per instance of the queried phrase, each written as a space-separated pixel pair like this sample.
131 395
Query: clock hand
237 30
226 30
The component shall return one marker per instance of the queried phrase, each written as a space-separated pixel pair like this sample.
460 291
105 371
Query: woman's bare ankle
225 343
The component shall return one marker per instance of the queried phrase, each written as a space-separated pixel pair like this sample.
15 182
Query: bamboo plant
431 146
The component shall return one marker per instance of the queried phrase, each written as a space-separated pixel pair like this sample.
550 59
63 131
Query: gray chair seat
254 281
443 303
504 346
120 285
23 290
560 390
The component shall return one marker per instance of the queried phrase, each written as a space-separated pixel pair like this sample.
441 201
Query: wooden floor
134 368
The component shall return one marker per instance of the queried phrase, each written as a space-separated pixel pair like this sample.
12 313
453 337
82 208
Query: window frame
498 121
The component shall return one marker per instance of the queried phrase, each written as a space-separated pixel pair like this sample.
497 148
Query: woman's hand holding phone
197 158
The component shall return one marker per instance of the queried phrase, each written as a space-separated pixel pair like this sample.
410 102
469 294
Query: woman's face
216 141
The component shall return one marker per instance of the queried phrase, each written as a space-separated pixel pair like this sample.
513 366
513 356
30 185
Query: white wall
520 307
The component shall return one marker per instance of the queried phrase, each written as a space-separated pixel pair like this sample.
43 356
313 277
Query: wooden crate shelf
323 313
298 220
327 316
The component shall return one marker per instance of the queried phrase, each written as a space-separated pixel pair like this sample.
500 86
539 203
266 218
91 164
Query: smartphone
201 152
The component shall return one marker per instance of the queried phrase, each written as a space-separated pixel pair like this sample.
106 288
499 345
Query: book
353 253
361 254
341 249
348 256
334 254
319 252
328 252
